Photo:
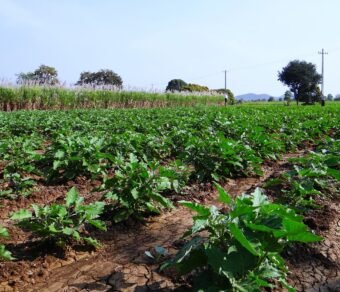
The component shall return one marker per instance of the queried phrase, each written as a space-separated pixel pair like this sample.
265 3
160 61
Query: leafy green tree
288 97
44 75
302 79
100 78
330 97
271 98
175 85
194 88
230 95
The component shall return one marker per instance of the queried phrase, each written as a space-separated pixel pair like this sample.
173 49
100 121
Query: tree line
301 78
46 75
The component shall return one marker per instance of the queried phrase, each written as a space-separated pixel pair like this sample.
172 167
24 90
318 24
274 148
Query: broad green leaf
98 224
238 234
200 209
259 198
60 154
67 231
21 215
334 173
91 241
135 193
162 200
3 232
5 254
71 197
224 197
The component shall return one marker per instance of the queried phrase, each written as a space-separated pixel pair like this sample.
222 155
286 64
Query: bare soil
121 264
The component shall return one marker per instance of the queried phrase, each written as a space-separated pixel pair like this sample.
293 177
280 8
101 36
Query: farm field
46 98
99 199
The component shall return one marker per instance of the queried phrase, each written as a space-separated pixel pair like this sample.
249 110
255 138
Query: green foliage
194 88
330 97
137 186
175 85
288 97
73 156
61 223
220 158
44 75
313 176
4 254
100 78
47 97
20 152
230 95
302 79
242 249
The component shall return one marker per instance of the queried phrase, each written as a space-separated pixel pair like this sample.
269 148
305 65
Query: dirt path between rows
121 265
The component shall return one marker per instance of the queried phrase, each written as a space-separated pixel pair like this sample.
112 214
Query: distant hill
253 96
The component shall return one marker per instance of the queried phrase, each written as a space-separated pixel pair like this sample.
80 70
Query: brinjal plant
61 223
240 248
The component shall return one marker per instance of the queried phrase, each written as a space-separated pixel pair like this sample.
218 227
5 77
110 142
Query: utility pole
323 53
225 79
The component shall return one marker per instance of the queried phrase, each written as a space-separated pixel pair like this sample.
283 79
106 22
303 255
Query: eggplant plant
4 254
61 223
240 248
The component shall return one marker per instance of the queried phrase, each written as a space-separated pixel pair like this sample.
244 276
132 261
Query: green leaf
238 234
3 232
296 231
162 200
224 197
5 254
200 209
135 193
71 197
259 198
91 241
98 224
183 253
60 154
334 173
21 215
67 231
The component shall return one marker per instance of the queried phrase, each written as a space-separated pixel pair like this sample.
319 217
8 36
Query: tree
175 85
100 78
302 79
194 88
288 97
271 98
330 97
44 75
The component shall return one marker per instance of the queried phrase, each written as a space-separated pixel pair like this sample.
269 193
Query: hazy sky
150 42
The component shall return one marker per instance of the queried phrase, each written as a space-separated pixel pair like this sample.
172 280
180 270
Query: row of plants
237 246
211 142
130 151
47 97
313 177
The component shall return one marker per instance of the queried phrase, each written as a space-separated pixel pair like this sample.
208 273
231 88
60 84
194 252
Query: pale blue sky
149 42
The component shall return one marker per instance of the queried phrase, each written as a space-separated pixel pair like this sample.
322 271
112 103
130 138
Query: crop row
24 97
140 156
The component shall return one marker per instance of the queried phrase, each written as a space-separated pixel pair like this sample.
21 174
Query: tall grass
45 97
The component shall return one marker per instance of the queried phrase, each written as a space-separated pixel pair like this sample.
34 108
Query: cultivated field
99 199
50 97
